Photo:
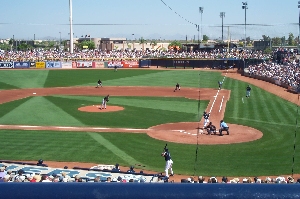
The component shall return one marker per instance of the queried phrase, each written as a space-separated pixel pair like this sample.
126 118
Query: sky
150 19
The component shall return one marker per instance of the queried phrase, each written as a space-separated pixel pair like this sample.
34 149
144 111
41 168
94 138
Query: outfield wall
222 63
68 64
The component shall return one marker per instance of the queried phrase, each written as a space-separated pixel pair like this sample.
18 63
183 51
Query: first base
34 93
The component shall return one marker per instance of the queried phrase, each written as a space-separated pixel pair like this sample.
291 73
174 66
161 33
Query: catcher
210 128
104 101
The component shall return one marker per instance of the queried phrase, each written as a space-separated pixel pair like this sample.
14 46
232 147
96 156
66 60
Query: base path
185 132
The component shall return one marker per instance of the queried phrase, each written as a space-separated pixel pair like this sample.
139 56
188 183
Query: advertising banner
53 64
83 64
98 64
40 64
21 64
66 64
6 64
112 64
181 63
32 64
130 64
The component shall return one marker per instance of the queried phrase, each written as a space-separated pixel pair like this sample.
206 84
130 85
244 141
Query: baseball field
40 118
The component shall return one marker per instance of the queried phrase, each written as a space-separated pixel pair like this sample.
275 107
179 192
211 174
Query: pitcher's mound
96 108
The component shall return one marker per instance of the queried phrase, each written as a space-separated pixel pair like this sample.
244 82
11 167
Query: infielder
248 89
220 85
99 83
104 101
177 87
206 118
169 162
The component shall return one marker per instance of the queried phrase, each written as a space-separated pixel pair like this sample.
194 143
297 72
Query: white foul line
221 104
28 126
100 128
214 101
135 129
65 127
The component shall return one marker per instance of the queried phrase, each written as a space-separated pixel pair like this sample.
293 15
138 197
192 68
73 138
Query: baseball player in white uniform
169 162
206 118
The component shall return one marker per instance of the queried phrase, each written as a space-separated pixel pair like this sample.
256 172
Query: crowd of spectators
224 179
22 176
287 73
285 70
54 54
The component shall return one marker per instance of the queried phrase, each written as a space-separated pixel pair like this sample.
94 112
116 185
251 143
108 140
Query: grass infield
273 154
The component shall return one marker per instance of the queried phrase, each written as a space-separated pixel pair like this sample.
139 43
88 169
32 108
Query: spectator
201 179
116 168
131 170
19 177
2 172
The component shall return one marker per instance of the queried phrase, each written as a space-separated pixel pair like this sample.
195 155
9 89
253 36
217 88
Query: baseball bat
166 146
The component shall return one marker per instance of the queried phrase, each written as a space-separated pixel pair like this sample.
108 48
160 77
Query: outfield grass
270 155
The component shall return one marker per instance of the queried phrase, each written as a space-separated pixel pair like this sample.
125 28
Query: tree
266 38
153 43
291 41
142 41
175 45
268 50
89 44
248 40
205 38
276 41
23 46
51 44
11 42
283 40
5 46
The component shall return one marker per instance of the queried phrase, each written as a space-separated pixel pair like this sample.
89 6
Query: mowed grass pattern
271 155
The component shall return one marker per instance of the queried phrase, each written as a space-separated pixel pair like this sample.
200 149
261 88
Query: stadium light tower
245 7
201 11
222 15
71 27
